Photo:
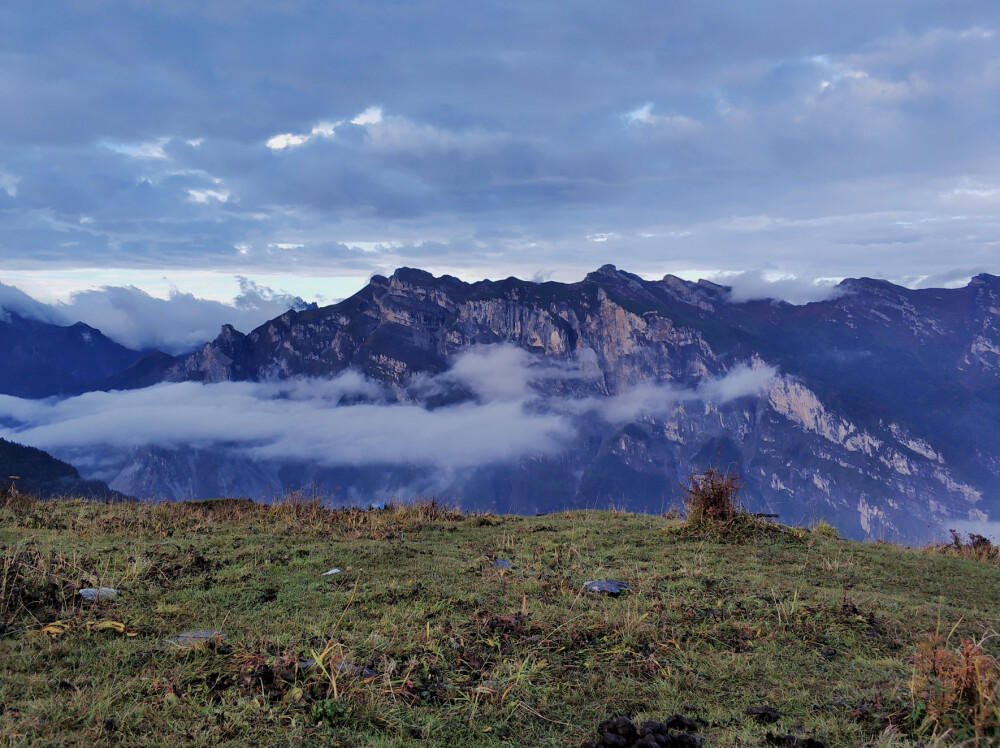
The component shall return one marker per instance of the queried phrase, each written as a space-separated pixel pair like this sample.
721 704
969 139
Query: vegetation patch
226 630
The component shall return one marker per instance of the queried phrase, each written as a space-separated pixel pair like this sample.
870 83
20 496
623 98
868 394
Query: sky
180 150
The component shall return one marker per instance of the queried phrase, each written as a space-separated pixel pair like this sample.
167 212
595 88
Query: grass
422 639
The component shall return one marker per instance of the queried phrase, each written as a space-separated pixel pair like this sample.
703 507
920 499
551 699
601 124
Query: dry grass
974 547
956 690
710 498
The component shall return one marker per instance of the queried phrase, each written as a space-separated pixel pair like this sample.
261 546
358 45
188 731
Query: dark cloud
817 140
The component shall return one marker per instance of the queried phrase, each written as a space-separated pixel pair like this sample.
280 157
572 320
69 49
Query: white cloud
206 196
676 123
8 183
297 420
286 140
519 411
754 285
148 150
370 116
138 320
660 399
989 530
14 300
390 134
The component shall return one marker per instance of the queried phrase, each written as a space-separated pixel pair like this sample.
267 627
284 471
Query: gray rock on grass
196 637
610 587
92 594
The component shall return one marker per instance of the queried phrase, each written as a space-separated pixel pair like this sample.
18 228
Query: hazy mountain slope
42 359
36 472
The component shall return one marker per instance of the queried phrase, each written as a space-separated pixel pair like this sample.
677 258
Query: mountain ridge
884 394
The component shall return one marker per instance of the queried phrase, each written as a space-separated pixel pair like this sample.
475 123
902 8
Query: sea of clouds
504 404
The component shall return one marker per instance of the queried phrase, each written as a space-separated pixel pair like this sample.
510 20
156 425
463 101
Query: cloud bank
138 320
754 285
513 413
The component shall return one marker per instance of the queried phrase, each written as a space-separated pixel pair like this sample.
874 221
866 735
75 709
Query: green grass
421 639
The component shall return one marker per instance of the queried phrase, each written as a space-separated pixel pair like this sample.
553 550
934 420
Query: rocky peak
985 280
610 274
229 334
870 287
413 276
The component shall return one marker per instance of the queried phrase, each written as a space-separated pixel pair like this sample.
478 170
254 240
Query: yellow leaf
55 629
113 625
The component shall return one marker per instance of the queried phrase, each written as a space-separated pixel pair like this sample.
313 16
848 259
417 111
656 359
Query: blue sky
307 145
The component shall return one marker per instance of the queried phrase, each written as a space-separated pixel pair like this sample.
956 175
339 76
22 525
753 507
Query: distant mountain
42 359
884 417
36 472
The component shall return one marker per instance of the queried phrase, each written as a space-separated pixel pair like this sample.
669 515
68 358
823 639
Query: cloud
138 320
751 285
656 399
297 421
504 373
522 406
393 134
8 183
675 123
153 149
205 196
14 300
850 126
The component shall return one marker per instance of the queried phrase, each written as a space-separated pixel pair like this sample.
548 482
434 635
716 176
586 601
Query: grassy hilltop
761 634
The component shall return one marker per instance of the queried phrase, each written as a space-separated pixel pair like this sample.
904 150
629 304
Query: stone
610 587
93 594
196 637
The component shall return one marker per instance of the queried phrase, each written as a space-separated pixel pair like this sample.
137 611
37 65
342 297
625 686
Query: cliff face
883 415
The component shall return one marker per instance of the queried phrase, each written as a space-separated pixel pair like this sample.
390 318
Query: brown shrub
710 498
957 690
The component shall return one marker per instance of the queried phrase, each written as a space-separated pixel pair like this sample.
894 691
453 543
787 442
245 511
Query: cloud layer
510 412
837 139
138 320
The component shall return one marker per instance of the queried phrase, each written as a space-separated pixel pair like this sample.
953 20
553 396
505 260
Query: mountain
883 416
41 359
36 472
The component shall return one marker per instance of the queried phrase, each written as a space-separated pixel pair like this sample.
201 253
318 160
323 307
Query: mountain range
877 409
